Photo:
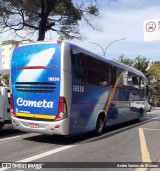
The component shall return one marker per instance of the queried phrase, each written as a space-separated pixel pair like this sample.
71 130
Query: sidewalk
155 108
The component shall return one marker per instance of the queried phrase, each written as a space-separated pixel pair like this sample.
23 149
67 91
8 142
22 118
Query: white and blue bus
60 88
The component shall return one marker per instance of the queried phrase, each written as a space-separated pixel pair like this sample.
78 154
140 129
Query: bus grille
40 87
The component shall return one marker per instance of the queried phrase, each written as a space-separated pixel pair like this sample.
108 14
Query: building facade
7 49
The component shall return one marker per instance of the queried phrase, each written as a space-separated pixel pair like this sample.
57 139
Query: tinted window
90 70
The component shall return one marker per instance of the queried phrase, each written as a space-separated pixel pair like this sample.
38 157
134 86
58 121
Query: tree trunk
46 9
41 34
42 24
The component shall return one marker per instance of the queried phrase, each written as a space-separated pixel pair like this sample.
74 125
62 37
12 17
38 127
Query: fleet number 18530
78 88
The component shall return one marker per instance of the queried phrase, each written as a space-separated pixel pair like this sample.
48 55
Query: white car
141 104
148 107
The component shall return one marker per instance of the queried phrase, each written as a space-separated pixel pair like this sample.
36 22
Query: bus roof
128 68
115 63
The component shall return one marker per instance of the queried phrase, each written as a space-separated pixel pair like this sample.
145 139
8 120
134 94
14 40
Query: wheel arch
100 123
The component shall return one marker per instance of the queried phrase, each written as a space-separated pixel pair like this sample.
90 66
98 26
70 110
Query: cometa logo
39 104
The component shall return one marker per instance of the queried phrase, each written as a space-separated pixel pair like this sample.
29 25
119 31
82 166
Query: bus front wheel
99 125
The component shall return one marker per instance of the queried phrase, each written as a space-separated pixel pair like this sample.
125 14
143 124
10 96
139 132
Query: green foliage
125 60
140 63
154 70
4 80
40 16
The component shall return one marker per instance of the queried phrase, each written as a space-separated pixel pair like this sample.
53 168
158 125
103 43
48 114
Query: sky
118 20
124 19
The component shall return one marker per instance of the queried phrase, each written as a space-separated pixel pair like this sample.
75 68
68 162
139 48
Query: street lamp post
104 51
99 46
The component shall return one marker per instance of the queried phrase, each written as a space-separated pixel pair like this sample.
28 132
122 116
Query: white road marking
29 159
9 138
38 156
46 153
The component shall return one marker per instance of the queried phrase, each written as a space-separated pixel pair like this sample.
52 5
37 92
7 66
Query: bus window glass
113 71
120 76
136 83
130 81
79 65
90 70
125 78
133 80
98 72
143 83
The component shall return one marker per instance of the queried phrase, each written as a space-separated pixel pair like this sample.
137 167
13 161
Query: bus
60 88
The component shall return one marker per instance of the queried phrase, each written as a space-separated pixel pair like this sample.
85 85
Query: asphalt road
132 142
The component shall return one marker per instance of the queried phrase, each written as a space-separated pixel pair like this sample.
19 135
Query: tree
125 60
142 64
154 71
40 16
4 80
150 70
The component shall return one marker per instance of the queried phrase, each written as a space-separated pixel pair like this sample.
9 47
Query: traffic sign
152 30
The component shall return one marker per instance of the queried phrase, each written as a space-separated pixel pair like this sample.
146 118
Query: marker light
12 106
16 45
62 109
59 42
14 123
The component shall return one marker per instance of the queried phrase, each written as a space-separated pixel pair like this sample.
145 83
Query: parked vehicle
148 107
5 116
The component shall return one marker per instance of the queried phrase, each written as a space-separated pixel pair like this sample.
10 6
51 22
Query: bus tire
99 125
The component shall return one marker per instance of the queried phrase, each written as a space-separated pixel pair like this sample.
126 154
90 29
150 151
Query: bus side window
144 86
130 83
90 70
98 72
136 82
76 64
113 72
143 83
120 77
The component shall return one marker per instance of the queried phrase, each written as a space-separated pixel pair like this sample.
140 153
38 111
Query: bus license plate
33 125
